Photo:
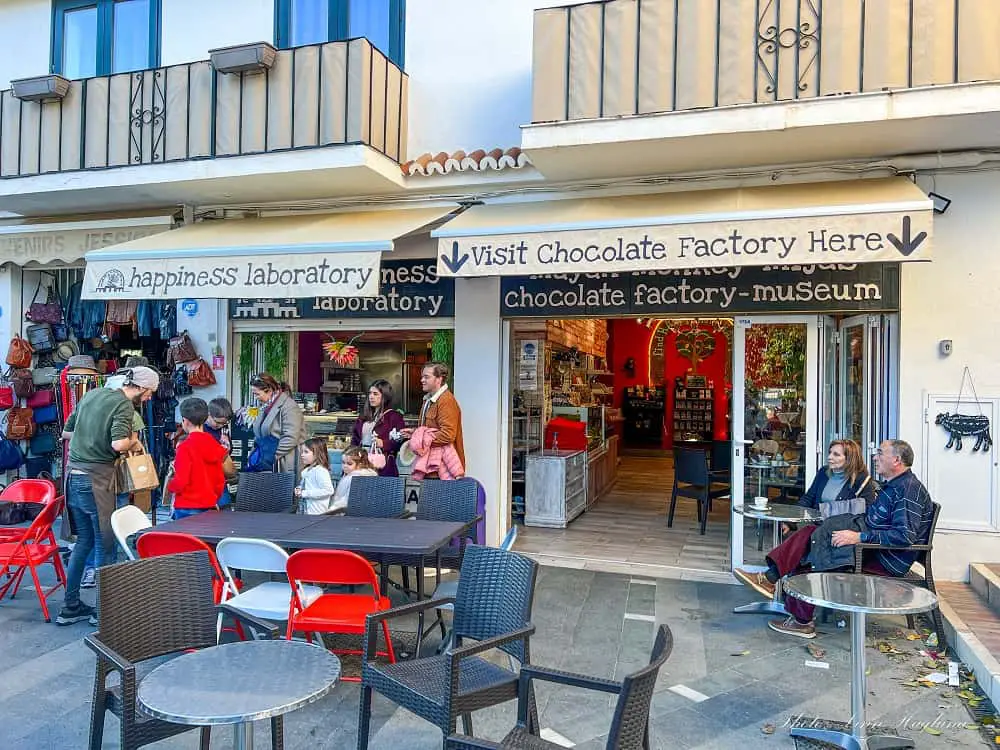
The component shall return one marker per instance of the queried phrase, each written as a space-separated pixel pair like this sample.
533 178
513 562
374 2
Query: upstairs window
381 22
101 37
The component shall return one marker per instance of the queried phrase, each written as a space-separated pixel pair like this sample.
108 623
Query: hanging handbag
49 311
43 377
41 338
45 414
19 352
60 331
376 458
38 399
6 397
11 456
24 384
20 424
181 350
180 381
199 374
43 444
855 506
136 471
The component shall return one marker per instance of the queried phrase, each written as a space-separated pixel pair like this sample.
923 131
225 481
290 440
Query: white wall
954 297
478 371
25 31
192 27
208 328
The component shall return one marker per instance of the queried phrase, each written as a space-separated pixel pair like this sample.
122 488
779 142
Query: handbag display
41 338
22 381
20 424
44 376
49 311
38 399
6 396
199 374
43 444
136 471
181 350
855 506
11 456
19 352
45 414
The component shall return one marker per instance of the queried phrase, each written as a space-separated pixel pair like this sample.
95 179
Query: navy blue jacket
812 497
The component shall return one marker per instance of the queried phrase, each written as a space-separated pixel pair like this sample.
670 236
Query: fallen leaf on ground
913 637
910 683
767 728
741 653
972 726
932 730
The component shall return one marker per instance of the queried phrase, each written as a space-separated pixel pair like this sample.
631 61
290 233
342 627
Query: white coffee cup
760 502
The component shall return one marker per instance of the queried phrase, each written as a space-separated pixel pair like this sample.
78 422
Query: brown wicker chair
630 725
151 608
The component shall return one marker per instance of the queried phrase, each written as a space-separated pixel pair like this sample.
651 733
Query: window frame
105 34
340 24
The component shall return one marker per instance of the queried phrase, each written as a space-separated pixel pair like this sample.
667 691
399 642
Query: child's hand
298 492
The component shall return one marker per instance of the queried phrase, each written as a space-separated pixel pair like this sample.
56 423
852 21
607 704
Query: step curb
971 652
986 584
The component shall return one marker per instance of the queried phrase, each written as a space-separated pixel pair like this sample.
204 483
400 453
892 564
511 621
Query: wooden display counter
602 468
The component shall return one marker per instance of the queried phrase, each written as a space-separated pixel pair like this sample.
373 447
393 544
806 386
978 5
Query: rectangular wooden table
373 537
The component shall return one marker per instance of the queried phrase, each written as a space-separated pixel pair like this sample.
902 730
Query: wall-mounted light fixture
941 203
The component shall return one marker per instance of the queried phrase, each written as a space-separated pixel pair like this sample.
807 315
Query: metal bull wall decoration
966 425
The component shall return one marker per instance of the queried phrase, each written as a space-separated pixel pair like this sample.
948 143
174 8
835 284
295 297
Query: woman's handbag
41 338
46 414
43 444
20 424
134 472
199 374
23 382
855 506
181 350
19 352
11 456
49 311
40 399
44 376
376 458
6 397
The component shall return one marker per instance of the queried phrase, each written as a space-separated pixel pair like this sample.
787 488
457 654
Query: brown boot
757 581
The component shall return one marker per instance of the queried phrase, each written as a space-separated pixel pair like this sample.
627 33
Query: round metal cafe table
861 595
779 514
238 683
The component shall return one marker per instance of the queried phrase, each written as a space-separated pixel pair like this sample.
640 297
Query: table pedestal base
243 736
843 738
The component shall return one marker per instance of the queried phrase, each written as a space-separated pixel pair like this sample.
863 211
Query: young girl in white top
356 464
316 486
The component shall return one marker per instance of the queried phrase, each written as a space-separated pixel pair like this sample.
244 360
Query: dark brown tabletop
371 535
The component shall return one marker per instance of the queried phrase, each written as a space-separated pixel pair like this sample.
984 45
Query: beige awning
68 239
861 221
314 255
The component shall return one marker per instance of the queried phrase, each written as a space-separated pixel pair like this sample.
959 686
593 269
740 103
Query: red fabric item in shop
572 434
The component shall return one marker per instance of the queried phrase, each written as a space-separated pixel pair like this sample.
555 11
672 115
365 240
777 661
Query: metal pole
858 682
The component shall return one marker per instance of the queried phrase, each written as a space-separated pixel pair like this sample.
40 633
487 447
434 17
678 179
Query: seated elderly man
901 515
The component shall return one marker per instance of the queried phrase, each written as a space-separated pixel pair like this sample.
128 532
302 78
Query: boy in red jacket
198 476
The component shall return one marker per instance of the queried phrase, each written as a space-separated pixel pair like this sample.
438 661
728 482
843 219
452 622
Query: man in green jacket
99 429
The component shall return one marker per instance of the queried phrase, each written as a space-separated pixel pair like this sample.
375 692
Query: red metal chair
40 491
335 613
158 543
34 548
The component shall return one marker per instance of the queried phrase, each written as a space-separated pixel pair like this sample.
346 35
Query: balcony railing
629 57
312 97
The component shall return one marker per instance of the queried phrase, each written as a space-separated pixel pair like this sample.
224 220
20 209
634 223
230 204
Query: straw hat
65 350
406 455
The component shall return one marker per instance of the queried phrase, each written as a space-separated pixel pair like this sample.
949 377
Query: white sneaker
89 579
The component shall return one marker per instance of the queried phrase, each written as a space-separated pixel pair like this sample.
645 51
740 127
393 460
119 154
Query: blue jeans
180 513
83 513
120 502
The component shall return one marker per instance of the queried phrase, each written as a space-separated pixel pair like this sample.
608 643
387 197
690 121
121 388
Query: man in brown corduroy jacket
440 410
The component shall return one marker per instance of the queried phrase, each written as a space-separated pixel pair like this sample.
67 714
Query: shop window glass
100 37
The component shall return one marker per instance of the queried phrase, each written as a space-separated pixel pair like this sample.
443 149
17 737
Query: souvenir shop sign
723 291
408 289
232 276
70 241
868 238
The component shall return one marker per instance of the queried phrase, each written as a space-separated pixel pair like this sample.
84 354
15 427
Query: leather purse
19 352
6 396
41 338
45 414
44 376
20 424
181 350
11 456
24 384
38 399
49 311
43 444
199 374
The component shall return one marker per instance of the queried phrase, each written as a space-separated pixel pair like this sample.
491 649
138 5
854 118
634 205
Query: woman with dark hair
280 417
372 430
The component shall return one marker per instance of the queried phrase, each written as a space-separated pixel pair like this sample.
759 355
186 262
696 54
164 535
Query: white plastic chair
270 600
125 522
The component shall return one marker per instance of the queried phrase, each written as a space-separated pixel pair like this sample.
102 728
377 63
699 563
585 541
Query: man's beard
137 401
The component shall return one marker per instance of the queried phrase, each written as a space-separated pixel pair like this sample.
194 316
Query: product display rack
693 414
643 409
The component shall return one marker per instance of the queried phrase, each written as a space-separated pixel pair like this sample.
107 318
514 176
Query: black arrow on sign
455 262
908 244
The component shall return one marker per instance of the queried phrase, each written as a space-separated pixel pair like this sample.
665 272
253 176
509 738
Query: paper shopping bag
137 471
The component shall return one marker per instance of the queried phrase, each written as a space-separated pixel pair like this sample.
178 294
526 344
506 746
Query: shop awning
862 221
315 255
68 239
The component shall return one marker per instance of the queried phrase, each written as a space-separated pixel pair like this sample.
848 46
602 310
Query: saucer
760 507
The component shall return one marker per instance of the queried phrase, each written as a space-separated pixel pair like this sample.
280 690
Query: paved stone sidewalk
729 680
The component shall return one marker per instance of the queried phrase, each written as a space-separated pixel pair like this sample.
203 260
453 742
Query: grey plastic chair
265 492
629 726
493 608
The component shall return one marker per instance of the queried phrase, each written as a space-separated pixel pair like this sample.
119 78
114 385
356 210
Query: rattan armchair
493 609
629 727
152 608
265 492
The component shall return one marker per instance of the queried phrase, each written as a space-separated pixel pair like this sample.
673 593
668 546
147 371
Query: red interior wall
310 356
631 339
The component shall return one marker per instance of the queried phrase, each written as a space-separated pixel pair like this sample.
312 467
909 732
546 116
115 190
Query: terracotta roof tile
459 161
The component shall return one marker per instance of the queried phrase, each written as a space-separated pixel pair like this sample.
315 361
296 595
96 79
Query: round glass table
238 683
778 514
861 595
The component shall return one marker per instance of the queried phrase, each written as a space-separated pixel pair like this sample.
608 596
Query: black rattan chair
493 608
630 725
692 479
151 608
265 492
376 497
